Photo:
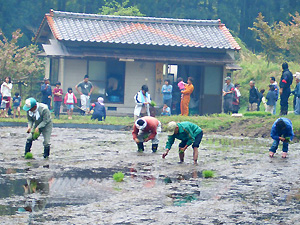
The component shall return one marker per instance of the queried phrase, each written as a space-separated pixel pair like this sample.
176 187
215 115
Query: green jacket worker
39 121
188 133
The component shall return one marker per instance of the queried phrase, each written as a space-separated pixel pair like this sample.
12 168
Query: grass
257 114
211 123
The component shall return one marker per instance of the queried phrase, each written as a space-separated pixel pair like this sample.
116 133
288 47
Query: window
54 70
108 80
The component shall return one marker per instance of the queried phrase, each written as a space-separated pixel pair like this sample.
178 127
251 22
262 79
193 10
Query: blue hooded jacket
287 132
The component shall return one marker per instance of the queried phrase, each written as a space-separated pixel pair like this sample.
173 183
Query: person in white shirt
6 92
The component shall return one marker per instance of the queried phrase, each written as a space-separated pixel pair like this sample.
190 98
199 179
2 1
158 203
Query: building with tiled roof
121 53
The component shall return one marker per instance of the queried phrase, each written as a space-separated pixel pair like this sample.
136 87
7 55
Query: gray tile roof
211 34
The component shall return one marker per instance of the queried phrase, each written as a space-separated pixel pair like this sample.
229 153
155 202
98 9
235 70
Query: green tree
22 64
120 9
279 40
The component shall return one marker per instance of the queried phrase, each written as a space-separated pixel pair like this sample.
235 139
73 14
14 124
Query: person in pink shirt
69 100
181 84
57 93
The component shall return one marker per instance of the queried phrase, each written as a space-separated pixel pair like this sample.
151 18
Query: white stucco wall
74 71
136 75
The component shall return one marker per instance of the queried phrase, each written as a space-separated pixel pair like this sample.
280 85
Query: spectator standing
46 93
186 97
70 100
296 92
271 99
236 99
228 95
142 100
57 92
273 82
85 94
99 110
253 96
17 104
261 98
6 92
166 90
285 88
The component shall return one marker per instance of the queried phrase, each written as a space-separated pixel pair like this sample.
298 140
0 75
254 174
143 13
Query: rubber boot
28 146
154 147
181 157
140 147
46 151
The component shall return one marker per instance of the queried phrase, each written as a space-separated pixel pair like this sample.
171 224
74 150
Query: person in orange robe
186 96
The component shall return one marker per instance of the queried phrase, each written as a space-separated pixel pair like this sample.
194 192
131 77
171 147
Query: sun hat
227 78
29 104
171 127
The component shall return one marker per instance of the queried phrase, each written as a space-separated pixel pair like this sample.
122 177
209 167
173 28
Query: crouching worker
188 133
145 129
282 130
99 111
39 121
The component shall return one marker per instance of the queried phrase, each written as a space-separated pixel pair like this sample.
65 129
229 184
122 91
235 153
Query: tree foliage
21 64
120 9
238 15
279 40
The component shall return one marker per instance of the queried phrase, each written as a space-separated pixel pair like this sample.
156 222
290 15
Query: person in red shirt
145 129
57 92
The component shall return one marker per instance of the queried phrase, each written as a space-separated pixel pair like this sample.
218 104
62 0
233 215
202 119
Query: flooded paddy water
75 185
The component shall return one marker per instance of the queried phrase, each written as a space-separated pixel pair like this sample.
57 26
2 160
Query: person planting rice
39 121
145 129
282 130
188 133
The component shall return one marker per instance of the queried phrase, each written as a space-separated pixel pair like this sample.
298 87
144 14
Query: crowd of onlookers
282 91
176 98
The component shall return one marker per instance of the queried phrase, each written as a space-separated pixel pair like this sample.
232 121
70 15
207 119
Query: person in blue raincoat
282 130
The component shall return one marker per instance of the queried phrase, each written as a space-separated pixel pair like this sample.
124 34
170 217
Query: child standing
69 100
282 130
99 110
272 98
166 111
17 104
3 106
57 92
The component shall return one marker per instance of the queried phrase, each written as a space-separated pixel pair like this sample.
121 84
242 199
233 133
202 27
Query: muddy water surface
75 186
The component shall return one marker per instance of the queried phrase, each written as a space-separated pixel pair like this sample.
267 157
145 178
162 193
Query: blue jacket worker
99 110
282 130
